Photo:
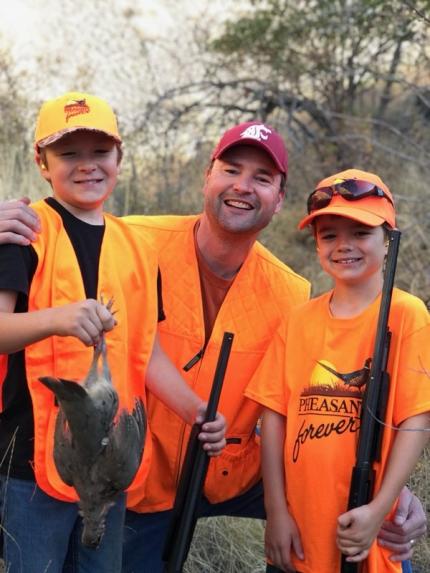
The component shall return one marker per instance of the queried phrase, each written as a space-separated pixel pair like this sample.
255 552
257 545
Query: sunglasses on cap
351 190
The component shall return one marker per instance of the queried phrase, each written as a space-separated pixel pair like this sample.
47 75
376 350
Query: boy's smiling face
82 168
349 251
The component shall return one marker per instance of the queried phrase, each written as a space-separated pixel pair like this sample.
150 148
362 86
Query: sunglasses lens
353 188
320 198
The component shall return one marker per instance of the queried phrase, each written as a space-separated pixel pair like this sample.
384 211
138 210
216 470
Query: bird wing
125 449
64 455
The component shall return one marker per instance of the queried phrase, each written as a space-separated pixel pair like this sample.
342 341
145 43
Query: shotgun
193 474
374 399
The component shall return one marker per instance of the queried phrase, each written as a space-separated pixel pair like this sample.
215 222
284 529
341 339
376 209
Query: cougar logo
259 132
75 107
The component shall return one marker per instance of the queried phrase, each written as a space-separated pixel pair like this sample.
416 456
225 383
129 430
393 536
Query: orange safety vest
128 274
261 295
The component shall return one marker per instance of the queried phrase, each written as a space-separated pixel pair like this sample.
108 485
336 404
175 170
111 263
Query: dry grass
227 545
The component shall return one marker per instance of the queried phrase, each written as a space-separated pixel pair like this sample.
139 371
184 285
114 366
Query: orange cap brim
371 211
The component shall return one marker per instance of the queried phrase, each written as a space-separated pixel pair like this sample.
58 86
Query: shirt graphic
331 404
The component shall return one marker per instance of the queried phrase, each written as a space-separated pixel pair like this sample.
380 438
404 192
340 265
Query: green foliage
331 45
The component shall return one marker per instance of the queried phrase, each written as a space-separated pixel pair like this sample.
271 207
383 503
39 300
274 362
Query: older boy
49 319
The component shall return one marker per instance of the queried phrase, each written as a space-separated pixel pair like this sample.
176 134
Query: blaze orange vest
128 274
262 293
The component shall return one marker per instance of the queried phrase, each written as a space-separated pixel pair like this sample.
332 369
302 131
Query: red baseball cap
258 134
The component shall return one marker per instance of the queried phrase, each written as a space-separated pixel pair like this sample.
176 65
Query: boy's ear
42 166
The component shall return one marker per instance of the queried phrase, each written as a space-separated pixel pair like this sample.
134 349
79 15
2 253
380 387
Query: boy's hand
408 524
18 222
281 536
86 320
357 529
213 433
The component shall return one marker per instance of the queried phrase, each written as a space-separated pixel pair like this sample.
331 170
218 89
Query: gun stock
193 475
374 399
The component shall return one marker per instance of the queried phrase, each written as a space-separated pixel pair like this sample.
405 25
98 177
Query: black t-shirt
17 268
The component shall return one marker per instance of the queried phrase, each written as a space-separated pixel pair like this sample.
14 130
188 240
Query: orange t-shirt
214 291
317 375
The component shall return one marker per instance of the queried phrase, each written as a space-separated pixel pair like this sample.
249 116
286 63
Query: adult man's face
242 190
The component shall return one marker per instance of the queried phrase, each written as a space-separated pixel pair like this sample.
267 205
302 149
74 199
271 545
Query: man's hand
213 433
409 523
19 224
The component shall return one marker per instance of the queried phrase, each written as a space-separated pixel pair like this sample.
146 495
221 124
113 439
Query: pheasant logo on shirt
357 378
331 404
259 132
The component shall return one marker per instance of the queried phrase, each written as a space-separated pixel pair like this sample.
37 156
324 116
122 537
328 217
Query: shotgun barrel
193 475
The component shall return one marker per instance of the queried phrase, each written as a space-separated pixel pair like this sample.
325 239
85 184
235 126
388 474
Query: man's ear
281 199
208 172
206 179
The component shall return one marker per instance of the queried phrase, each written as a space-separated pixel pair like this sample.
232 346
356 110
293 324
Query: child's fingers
358 556
105 316
280 556
297 546
345 521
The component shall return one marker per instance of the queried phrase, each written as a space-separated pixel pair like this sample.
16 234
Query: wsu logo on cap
259 132
75 107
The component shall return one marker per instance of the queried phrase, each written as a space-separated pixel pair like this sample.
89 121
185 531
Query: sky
121 49
18 18
28 27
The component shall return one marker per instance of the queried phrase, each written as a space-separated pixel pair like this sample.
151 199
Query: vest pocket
235 471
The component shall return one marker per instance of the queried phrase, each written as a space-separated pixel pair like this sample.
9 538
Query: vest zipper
194 360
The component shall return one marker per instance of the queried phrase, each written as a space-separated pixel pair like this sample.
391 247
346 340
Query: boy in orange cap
50 318
308 454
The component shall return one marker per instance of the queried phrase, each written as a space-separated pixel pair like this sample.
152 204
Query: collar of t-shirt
213 288
87 242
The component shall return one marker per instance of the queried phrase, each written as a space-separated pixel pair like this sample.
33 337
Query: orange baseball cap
372 210
73 111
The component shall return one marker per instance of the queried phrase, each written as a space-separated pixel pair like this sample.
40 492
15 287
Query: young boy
50 318
312 410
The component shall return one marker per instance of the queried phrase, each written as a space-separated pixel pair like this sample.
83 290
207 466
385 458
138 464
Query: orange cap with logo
372 210
73 111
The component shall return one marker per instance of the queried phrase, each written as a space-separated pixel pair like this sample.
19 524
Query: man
217 278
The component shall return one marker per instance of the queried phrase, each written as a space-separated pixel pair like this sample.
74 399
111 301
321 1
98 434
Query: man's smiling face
243 190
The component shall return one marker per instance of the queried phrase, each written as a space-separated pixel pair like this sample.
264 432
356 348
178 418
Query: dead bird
94 452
